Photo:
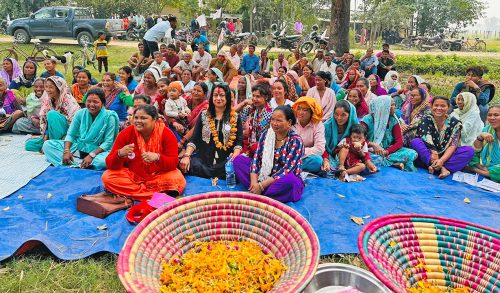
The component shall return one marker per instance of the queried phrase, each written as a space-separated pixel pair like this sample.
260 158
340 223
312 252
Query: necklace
215 133
282 140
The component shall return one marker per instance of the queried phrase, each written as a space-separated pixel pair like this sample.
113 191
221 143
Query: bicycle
85 56
479 45
38 54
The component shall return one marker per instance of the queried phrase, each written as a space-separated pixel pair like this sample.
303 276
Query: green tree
339 25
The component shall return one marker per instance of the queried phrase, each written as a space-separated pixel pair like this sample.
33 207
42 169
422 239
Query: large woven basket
219 216
404 249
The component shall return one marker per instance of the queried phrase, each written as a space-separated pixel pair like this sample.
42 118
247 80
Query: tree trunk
339 25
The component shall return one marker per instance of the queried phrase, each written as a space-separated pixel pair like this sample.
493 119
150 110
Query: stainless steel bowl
333 277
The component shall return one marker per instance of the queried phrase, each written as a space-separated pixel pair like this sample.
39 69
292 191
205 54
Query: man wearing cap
318 60
224 65
250 62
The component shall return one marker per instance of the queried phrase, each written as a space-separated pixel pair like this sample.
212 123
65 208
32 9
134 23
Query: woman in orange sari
144 159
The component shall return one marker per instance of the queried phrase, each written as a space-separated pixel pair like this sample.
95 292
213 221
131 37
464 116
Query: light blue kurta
86 135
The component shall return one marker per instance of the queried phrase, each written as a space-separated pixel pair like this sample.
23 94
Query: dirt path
133 44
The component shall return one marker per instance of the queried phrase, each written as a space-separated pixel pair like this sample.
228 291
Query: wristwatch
92 155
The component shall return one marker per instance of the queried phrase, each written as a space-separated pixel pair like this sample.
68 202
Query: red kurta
139 180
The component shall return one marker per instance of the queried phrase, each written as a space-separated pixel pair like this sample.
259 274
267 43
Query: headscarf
390 83
470 118
331 129
248 89
347 84
292 93
21 80
490 154
155 72
66 103
411 112
317 111
154 142
362 106
16 72
380 108
220 76
434 139
379 91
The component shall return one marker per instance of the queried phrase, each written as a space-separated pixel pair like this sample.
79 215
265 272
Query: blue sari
333 137
380 127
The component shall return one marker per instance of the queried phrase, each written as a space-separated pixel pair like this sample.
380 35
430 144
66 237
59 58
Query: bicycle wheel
78 60
8 53
42 55
481 46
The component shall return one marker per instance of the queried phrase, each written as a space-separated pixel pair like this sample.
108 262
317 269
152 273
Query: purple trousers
458 160
287 188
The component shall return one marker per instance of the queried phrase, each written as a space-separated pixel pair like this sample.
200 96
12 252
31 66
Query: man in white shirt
234 57
318 60
328 65
279 62
202 58
154 36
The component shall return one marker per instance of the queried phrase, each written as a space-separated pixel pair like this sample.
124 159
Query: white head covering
472 125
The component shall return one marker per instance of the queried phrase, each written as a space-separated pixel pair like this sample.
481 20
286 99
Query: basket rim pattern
124 263
381 222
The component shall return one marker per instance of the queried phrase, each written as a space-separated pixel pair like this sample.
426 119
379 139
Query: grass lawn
39 271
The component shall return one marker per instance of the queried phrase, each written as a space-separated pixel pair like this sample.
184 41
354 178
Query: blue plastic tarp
45 209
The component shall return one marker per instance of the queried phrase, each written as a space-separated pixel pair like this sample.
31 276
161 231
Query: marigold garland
215 134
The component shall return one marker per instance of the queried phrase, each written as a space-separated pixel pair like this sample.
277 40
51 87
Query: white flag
323 36
218 13
254 10
220 40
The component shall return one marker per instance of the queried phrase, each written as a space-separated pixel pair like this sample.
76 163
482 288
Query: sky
493 9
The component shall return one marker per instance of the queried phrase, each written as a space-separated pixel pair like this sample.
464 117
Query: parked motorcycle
409 42
279 39
135 33
457 45
315 41
243 39
426 44
184 34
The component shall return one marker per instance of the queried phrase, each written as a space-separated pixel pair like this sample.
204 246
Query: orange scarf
154 142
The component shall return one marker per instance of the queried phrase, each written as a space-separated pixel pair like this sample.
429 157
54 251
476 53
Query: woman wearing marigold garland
217 136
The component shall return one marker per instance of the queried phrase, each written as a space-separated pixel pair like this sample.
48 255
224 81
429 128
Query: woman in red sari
144 159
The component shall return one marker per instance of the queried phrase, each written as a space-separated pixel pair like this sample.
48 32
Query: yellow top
101 48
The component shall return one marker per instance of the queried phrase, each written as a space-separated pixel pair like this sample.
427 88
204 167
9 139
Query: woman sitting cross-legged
486 161
385 136
10 110
144 159
92 133
312 131
56 113
275 168
438 137
217 136
336 129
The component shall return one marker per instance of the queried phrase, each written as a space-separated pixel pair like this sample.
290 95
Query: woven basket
219 216
404 249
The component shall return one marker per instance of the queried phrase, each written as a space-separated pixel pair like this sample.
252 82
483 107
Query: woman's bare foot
431 170
342 175
400 166
444 173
